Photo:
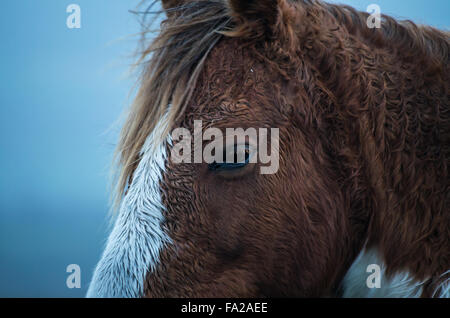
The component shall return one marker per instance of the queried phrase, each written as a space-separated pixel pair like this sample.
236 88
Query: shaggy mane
172 62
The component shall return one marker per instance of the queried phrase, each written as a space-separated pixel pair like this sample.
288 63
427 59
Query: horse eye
240 155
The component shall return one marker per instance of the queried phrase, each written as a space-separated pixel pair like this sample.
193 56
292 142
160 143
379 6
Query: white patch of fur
402 285
133 247
443 290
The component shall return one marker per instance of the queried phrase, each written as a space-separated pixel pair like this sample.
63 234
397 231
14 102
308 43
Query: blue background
61 93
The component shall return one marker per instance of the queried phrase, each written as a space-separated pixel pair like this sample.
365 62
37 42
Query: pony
364 148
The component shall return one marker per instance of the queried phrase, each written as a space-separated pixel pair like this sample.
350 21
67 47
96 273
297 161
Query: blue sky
61 92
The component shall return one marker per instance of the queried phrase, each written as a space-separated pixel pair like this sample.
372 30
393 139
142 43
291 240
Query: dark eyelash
224 166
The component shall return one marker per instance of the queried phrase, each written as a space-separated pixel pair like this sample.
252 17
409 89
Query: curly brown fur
364 122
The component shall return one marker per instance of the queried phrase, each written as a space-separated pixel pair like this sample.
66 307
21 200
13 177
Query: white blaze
134 245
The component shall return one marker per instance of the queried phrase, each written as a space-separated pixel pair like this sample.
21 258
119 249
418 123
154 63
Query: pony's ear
255 10
169 5
273 16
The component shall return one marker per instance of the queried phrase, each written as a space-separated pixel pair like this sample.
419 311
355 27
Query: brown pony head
364 146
